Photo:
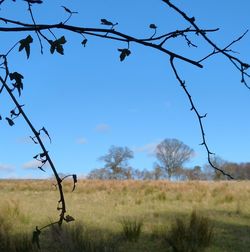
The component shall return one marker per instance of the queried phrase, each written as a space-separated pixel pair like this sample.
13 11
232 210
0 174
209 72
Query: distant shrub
131 229
178 196
138 201
161 196
193 236
238 207
149 190
229 198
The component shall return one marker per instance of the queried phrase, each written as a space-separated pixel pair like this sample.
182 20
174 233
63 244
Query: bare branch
96 32
34 22
199 117
39 141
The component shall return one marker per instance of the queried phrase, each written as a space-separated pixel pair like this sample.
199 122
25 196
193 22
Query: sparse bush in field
238 209
225 198
77 238
161 196
131 229
16 243
178 196
138 201
4 240
149 190
157 232
13 242
22 243
229 198
193 236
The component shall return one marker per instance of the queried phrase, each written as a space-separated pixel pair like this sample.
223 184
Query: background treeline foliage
240 171
171 155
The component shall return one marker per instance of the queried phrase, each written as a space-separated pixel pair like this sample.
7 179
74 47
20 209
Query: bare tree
157 172
172 154
116 161
100 174
194 174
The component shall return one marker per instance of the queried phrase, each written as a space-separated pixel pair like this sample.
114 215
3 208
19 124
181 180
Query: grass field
103 208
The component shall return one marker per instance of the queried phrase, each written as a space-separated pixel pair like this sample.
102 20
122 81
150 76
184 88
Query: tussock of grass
131 228
77 238
194 236
12 240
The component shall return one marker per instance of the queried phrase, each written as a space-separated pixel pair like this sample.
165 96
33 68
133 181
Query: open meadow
122 215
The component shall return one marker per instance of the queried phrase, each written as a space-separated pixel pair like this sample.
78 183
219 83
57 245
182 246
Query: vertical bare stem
38 138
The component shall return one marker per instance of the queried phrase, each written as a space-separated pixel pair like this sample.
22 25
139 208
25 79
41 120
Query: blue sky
88 100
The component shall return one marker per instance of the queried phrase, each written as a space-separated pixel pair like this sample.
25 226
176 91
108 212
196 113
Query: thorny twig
199 117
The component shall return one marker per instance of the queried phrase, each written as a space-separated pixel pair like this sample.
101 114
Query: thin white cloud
33 164
81 140
28 140
148 148
102 128
24 140
6 168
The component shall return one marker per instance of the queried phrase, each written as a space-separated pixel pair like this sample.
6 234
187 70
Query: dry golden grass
100 206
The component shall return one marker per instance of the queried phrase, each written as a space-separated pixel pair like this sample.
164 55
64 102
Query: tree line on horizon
171 155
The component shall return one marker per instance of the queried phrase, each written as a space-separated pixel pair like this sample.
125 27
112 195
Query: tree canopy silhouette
116 162
172 154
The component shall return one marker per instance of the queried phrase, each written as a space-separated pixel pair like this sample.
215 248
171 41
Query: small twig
178 33
49 225
11 48
70 15
34 22
236 40
52 33
209 55
225 48
189 42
